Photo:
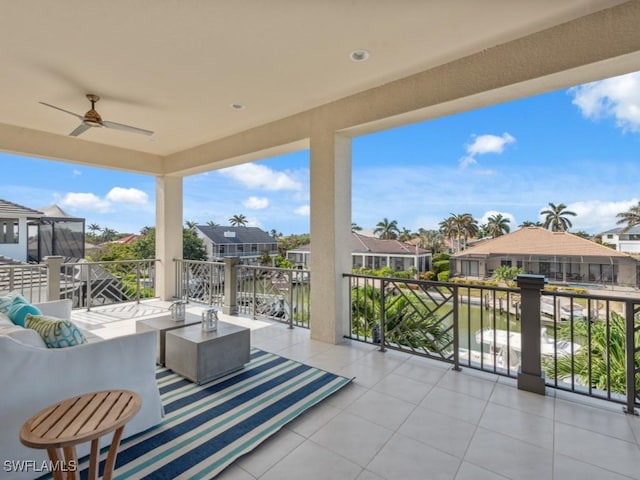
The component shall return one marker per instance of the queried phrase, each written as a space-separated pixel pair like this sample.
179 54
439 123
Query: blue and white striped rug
206 427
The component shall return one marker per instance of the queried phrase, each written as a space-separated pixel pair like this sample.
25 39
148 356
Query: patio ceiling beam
589 48
35 143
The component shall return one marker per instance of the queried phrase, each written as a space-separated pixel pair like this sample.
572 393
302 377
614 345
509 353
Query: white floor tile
509 457
353 437
408 459
528 402
566 468
468 471
404 388
518 424
384 410
311 461
454 404
270 452
604 451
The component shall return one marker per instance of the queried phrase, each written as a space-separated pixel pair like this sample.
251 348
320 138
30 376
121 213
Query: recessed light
359 55
237 106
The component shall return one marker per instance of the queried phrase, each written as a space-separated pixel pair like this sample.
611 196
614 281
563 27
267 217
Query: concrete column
330 234
168 233
230 306
54 264
530 376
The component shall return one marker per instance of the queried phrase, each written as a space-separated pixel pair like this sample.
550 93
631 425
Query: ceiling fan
93 119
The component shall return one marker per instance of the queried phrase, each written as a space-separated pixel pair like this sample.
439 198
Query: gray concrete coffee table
162 324
203 356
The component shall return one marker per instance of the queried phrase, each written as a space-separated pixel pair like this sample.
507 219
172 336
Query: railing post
89 287
530 374
631 350
230 285
456 331
54 264
254 287
137 282
290 298
383 315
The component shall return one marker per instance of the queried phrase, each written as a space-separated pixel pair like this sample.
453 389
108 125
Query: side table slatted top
80 419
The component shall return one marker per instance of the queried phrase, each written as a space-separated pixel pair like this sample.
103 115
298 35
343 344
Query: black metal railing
587 344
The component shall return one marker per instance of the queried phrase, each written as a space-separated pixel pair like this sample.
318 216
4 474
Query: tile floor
405 417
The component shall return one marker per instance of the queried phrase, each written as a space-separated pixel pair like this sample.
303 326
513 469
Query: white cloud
256 203
597 216
483 144
85 201
489 144
490 213
256 176
304 210
617 97
127 195
76 173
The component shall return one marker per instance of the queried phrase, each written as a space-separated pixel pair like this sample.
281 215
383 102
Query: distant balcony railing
586 344
279 294
87 284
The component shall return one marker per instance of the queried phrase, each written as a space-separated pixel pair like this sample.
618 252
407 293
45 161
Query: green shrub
441 256
443 276
441 266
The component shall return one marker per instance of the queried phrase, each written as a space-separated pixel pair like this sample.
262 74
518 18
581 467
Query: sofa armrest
34 378
56 308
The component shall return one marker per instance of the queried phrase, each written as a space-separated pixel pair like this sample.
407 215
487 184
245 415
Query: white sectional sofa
33 377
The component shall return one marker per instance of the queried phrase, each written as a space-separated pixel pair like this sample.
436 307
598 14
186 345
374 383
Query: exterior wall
17 250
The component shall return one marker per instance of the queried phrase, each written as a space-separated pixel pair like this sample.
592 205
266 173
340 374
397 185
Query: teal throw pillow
56 332
7 300
19 309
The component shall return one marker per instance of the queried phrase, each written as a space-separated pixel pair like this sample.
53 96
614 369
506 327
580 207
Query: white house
627 241
374 253
13 229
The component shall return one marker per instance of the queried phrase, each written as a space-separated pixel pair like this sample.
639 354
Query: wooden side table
77 420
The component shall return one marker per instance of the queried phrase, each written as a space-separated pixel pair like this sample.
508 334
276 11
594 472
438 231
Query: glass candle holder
209 320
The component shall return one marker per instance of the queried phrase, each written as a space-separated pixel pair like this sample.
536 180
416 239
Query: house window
609 235
469 268
8 230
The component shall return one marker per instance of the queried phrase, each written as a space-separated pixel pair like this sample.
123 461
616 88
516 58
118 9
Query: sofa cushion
56 332
19 309
27 336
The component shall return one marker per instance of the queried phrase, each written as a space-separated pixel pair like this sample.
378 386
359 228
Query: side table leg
94 459
56 463
113 452
71 463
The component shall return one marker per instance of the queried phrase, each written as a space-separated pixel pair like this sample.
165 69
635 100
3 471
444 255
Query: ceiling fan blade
126 128
62 110
81 128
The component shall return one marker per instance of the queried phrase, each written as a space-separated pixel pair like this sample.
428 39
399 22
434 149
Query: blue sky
578 146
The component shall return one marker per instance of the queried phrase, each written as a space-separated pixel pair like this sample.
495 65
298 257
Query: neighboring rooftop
14 210
224 235
539 241
629 231
54 211
365 244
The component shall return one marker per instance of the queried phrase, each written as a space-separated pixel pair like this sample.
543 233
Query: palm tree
238 220
431 240
355 227
498 225
386 229
93 228
211 223
274 233
191 225
108 234
603 362
461 225
529 223
448 229
630 217
405 235
556 217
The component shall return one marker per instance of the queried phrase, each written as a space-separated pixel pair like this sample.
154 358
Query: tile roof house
245 242
374 253
560 256
624 240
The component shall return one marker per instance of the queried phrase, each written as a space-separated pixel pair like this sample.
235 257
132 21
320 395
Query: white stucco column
168 232
330 235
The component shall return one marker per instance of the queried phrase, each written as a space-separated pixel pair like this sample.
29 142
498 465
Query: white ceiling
175 66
